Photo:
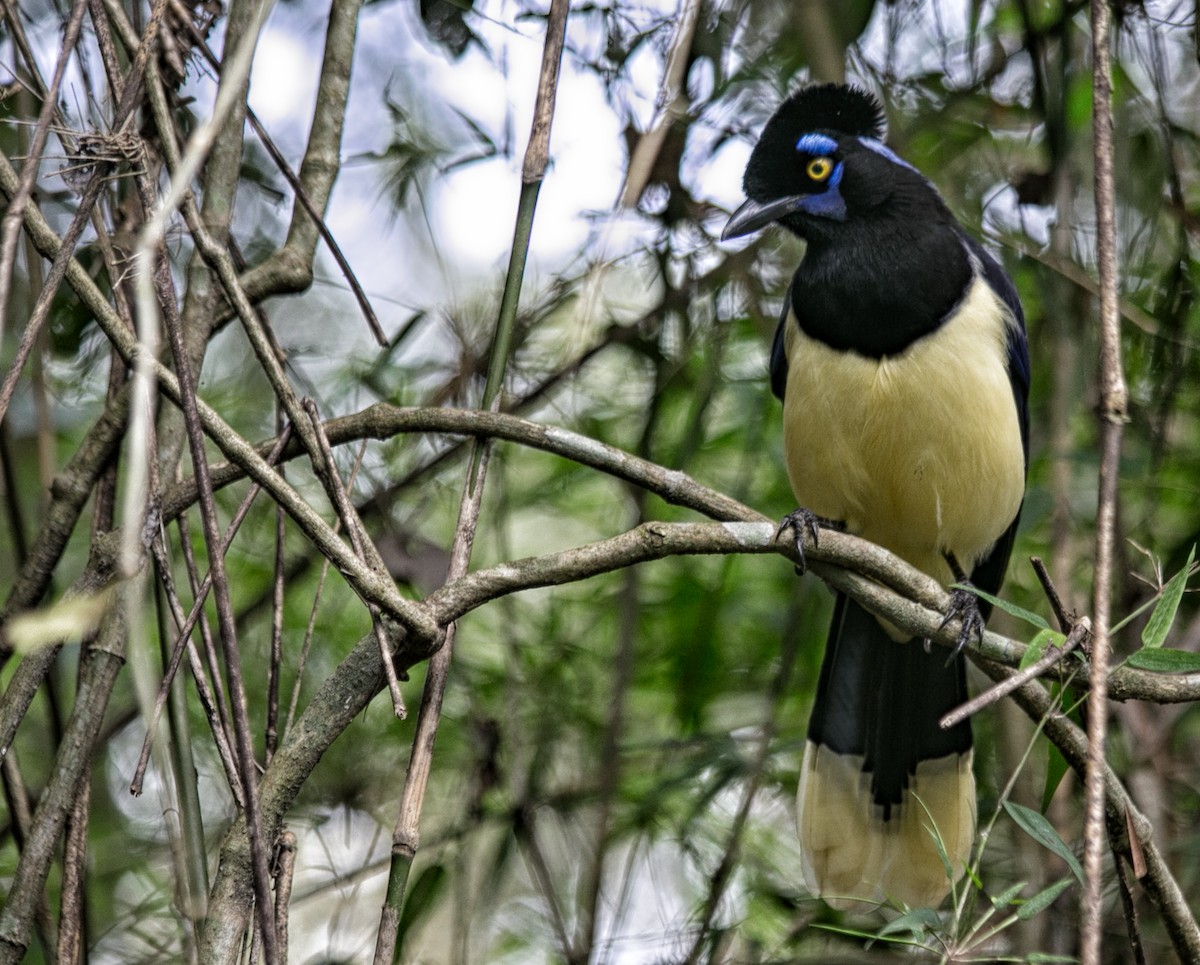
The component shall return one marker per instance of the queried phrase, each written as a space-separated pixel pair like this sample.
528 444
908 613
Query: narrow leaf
422 898
1056 770
1026 616
1009 895
1042 640
1043 899
1159 624
1165 660
918 923
1056 764
1042 831
68 620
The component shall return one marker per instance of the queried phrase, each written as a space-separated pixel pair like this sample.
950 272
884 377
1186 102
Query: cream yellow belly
920 452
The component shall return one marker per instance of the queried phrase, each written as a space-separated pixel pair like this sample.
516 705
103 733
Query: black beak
754 215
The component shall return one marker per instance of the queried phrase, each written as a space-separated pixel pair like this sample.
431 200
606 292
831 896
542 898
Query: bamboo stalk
406 836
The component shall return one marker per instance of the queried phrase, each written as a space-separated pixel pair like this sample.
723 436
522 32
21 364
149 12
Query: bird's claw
964 607
801 521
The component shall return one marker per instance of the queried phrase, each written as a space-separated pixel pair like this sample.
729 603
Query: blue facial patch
817 144
829 203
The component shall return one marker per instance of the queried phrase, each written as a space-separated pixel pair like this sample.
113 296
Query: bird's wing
1018 345
779 363
989 572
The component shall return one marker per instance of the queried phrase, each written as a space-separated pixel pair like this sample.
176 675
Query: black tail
879 773
881 701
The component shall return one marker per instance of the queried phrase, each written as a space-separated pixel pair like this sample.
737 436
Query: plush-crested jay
902 364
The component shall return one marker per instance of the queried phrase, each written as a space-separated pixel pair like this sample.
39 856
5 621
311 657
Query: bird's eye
819 168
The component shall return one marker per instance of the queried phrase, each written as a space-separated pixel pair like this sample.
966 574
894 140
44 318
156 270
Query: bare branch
1054 654
1112 416
11 224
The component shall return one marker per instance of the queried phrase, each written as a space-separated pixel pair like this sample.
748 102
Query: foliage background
613 777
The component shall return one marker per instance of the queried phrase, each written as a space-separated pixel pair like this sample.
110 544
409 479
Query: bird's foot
801 521
964 607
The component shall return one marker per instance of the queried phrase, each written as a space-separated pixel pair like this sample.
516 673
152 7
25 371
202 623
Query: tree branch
385 421
1112 414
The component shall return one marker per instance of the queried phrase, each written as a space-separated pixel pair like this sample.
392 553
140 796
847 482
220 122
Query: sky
471 211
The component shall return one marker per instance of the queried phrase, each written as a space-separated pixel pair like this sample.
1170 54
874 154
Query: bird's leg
801 521
964 606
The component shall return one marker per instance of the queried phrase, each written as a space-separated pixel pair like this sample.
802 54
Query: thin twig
284 873
992 695
1064 619
236 68
302 196
220 717
13 23
188 624
343 263
11 225
275 664
302 662
672 106
1121 813
210 703
405 835
359 540
1129 908
58 269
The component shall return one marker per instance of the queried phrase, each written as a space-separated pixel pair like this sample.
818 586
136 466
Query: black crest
831 107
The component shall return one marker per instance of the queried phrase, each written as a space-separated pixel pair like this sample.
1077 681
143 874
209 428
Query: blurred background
614 777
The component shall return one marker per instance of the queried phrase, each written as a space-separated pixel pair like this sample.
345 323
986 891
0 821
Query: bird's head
818 163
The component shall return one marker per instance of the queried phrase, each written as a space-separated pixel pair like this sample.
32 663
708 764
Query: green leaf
1159 624
1046 958
1056 764
867 936
1079 102
1009 895
1026 616
1038 646
940 845
1043 899
422 898
1165 660
1042 831
918 923
1056 770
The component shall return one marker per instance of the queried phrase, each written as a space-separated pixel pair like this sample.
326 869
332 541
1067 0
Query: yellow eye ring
819 168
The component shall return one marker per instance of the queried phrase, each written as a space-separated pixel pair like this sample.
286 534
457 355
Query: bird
902 364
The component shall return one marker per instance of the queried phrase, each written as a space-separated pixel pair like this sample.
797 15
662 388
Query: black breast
880 284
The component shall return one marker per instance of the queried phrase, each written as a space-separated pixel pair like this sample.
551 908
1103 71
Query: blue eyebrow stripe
819 144
880 148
